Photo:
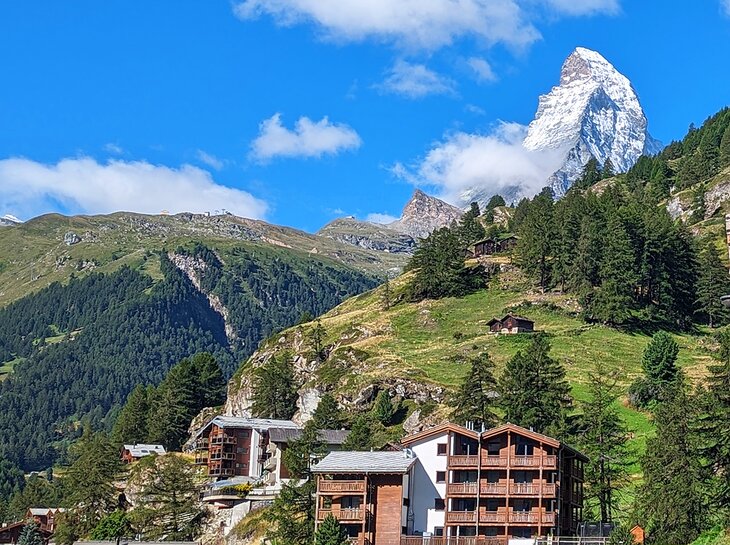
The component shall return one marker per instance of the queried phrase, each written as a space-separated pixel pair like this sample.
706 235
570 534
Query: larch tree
275 388
330 532
713 283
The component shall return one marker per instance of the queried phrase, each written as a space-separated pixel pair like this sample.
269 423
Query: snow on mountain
593 112
8 219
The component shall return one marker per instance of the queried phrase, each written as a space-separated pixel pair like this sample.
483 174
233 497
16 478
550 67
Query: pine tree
659 364
386 296
533 389
89 480
383 410
725 148
608 171
603 438
590 176
275 389
614 299
170 415
360 436
672 496
537 236
470 229
316 337
168 505
112 527
585 273
30 534
714 426
330 532
131 424
476 399
713 282
327 414
211 384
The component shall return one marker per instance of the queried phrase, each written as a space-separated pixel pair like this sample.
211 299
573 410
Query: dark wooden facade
491 246
226 452
511 324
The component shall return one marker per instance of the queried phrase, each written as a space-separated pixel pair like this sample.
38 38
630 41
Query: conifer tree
30 534
659 361
316 337
386 296
470 229
170 414
327 414
211 384
330 532
714 426
383 409
131 424
360 436
112 527
590 176
275 389
614 299
537 235
475 400
603 437
168 505
672 497
713 283
89 480
608 171
585 273
725 148
533 390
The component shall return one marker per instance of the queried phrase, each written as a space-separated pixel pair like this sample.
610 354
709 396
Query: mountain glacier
593 112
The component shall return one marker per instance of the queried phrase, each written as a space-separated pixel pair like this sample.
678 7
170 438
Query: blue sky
297 111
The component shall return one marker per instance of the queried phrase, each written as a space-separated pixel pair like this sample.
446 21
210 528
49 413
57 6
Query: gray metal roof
287 435
138 451
245 422
365 462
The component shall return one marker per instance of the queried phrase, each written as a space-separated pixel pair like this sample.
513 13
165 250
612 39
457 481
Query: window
492 505
494 447
244 434
441 449
524 533
440 476
438 531
351 502
439 504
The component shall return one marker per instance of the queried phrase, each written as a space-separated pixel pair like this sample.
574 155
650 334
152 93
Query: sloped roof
287 435
365 462
437 430
515 316
245 422
138 451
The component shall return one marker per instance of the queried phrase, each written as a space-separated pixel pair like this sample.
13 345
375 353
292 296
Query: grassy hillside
428 343
34 254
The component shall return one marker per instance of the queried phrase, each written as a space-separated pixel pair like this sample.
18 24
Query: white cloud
82 185
421 24
494 163
416 81
584 7
725 5
308 139
382 219
482 69
116 149
474 109
208 159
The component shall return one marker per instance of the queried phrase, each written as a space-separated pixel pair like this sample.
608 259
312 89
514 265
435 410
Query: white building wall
425 488
253 462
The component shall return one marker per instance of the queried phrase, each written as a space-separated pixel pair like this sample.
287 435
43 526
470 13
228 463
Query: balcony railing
223 456
531 517
343 515
493 517
494 489
344 487
490 460
464 460
477 540
532 489
201 460
534 461
220 471
459 517
457 489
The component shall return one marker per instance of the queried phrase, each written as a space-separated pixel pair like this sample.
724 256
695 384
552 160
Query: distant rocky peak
424 213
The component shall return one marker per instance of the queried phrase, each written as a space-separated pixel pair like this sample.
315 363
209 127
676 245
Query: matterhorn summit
594 112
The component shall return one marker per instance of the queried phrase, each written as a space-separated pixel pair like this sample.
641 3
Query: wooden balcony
532 489
220 471
343 515
477 540
341 487
201 458
462 489
461 517
493 517
547 462
223 456
493 489
222 439
464 460
494 461
531 517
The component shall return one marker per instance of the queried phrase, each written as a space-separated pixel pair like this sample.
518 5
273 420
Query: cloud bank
464 166
416 81
382 219
422 24
725 5
83 185
308 139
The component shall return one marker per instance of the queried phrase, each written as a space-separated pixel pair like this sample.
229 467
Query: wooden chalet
511 324
491 246
132 453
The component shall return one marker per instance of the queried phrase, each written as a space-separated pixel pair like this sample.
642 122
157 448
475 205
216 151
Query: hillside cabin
10 533
45 517
511 324
491 246
132 453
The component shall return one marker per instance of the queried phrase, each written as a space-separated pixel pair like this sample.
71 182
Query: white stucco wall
425 489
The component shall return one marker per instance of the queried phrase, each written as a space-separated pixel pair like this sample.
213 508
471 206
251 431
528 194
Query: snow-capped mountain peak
8 220
593 112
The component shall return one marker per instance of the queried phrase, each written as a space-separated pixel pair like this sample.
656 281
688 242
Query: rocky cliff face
8 221
593 112
423 214
371 236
